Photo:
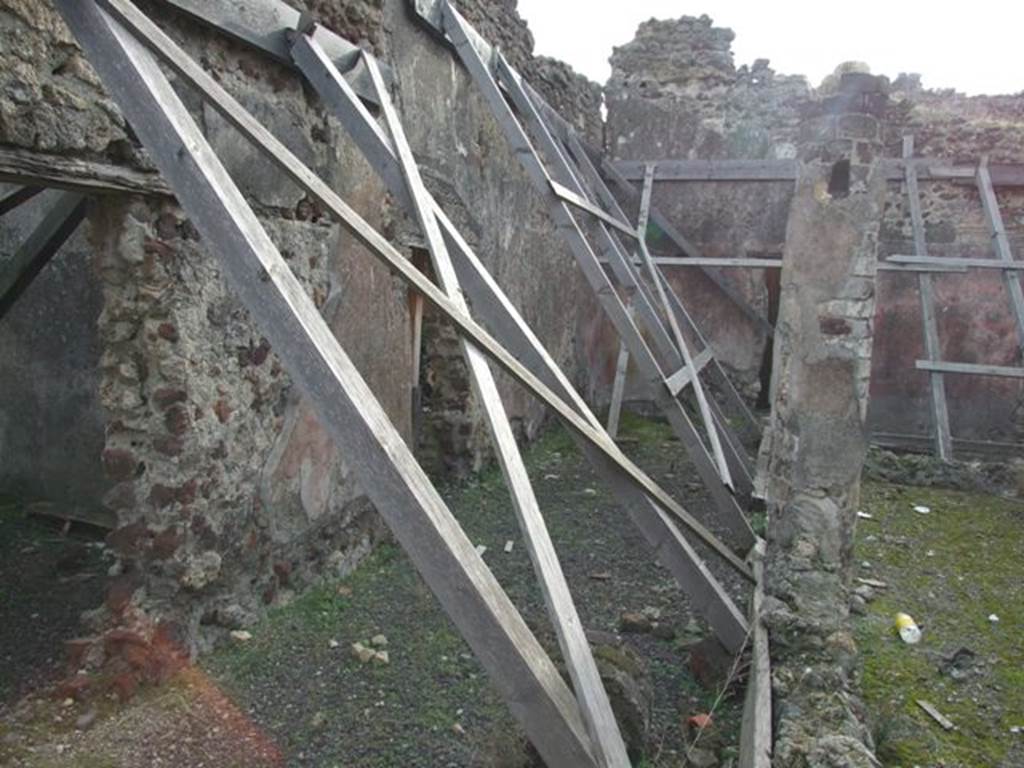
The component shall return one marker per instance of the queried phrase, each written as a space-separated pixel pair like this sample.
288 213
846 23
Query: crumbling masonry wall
225 492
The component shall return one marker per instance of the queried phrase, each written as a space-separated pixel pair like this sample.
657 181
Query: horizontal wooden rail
749 170
971 369
22 166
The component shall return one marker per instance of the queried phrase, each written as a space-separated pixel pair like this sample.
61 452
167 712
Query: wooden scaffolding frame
568 726
722 465
934 365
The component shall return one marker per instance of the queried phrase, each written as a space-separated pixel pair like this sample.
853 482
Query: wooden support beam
20 166
582 424
725 383
28 261
375 450
711 170
605 738
18 197
750 170
1002 245
618 391
917 268
688 249
937 384
679 380
670 261
955 263
971 369
580 202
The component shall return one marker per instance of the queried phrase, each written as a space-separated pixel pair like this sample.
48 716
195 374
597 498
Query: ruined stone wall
974 317
814 445
226 492
676 93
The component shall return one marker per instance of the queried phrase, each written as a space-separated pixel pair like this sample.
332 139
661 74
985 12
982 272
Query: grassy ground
294 694
950 569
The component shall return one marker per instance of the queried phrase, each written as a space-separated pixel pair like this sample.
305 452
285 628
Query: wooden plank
267 25
934 714
20 166
711 170
753 170
956 263
704 591
376 451
933 169
587 428
679 380
577 201
710 428
18 197
932 270
972 369
1002 245
937 384
756 726
618 391
605 739
18 272
731 263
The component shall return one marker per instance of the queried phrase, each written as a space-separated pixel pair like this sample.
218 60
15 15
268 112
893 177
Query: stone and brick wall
226 495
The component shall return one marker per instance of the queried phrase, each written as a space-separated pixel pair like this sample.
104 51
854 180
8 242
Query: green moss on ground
949 569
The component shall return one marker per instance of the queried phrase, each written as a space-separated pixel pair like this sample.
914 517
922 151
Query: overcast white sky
970 45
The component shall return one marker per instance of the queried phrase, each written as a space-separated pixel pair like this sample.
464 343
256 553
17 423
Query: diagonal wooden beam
1002 245
17 198
17 274
605 738
584 427
380 459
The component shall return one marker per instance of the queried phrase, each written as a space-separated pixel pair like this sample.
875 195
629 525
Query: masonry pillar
813 450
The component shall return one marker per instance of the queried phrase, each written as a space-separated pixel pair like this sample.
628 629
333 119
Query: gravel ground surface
294 693
46 580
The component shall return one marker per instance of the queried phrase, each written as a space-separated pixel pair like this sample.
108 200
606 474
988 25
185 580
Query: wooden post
940 411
